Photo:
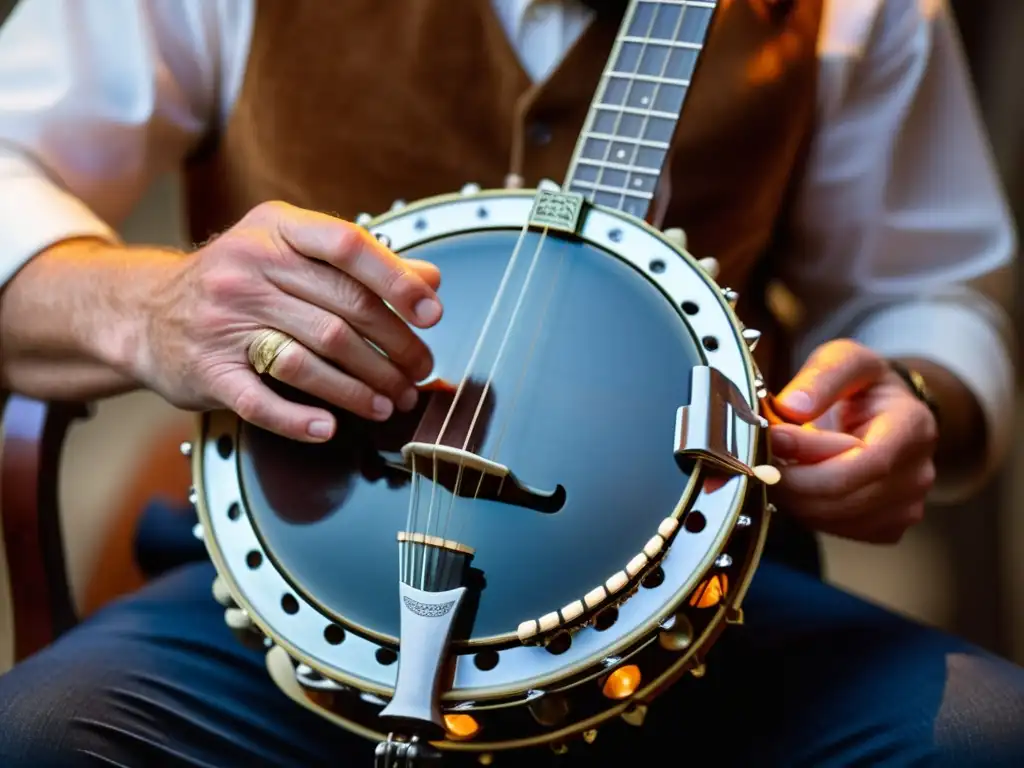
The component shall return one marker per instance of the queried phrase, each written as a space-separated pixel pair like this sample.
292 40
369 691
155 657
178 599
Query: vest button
538 133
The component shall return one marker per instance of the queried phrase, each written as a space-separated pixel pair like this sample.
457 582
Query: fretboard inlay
625 139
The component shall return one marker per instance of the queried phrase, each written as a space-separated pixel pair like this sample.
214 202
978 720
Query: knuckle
290 365
403 287
334 334
361 301
248 404
392 380
269 210
925 480
224 283
354 396
349 245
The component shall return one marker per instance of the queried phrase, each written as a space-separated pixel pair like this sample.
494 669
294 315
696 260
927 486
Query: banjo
571 516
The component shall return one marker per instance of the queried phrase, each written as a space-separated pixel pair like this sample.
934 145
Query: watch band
916 383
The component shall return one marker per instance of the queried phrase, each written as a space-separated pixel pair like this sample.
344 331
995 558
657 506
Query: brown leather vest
346 106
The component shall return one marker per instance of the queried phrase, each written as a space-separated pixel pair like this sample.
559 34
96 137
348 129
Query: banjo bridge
466 474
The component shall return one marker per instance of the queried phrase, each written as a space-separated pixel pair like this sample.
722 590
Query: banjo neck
622 149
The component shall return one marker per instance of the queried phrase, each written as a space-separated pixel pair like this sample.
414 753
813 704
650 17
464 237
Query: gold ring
266 348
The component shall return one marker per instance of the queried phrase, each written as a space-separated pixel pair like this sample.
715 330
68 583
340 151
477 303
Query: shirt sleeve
97 97
903 239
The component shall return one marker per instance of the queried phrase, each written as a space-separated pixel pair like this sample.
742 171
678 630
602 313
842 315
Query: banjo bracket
398 753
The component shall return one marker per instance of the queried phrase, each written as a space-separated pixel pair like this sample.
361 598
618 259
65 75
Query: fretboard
621 152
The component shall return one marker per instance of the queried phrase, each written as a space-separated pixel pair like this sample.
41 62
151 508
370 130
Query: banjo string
609 69
515 398
412 523
512 321
494 367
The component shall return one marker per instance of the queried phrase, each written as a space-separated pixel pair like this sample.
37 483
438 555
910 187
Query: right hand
322 281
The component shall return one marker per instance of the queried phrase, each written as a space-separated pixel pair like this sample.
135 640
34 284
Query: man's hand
862 470
316 278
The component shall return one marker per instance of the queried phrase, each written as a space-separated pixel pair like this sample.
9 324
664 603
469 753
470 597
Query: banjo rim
564 675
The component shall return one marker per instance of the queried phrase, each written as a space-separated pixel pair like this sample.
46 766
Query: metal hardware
364 219
396 753
706 429
186 449
554 209
751 336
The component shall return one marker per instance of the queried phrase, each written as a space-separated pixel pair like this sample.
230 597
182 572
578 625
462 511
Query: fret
611 188
636 111
650 79
638 142
619 166
646 41
622 150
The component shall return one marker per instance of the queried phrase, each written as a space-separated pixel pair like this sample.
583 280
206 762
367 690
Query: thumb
834 372
806 445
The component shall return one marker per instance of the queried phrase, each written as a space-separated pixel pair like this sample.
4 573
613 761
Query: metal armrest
32 435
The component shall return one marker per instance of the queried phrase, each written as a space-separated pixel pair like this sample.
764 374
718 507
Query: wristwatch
916 383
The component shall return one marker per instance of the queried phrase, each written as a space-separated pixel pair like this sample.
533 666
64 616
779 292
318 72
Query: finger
907 485
344 299
907 427
245 394
429 272
332 339
356 252
834 372
300 368
806 445
840 476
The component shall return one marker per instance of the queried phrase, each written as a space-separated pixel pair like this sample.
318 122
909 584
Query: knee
56 708
981 718
35 718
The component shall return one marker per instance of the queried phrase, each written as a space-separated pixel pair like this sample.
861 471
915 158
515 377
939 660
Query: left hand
864 468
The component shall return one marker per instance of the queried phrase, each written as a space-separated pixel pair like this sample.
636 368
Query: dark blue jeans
815 678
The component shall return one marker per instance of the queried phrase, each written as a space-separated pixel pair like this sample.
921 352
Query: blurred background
962 570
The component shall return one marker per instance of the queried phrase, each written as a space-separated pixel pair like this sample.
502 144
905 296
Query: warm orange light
623 682
710 592
460 726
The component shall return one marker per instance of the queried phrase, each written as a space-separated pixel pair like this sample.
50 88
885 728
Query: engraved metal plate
557 210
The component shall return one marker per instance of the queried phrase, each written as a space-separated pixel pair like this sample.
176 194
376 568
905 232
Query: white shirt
98 97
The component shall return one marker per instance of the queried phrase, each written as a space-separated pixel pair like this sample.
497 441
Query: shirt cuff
35 214
965 343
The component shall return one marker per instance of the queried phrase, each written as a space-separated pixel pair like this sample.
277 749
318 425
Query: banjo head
583 603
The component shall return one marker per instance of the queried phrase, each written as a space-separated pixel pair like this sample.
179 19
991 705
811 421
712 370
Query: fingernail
321 430
382 407
781 442
408 399
796 400
427 310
